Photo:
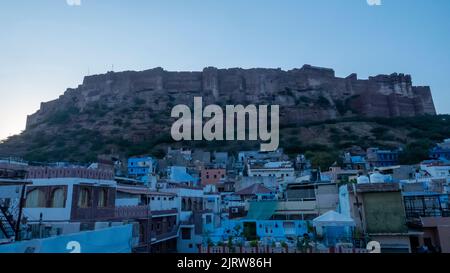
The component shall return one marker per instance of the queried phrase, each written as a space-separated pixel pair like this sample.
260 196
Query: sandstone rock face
308 94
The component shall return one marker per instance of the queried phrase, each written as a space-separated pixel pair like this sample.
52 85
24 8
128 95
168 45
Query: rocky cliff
135 106
306 94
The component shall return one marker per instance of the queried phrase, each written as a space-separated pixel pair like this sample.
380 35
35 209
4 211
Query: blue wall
110 240
265 229
136 165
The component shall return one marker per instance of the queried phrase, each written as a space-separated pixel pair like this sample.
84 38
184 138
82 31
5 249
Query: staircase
6 223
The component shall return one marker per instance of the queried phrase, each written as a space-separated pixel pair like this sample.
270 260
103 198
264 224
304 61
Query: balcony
132 212
189 221
420 213
425 206
165 235
159 213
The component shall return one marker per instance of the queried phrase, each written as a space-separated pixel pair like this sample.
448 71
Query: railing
165 235
7 223
417 213
267 249
130 212
189 221
12 174
164 212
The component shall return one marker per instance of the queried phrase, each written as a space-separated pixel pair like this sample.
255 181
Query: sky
47 46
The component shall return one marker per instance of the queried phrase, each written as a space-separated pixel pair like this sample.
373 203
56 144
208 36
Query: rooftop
141 190
254 189
378 187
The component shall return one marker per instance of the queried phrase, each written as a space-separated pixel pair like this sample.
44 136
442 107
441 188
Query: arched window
84 198
36 199
183 204
189 206
102 198
58 198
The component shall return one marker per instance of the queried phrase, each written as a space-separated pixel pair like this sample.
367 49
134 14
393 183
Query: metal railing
262 249
131 212
417 213
155 237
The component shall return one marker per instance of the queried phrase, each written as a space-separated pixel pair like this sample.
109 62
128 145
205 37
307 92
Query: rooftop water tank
376 178
363 180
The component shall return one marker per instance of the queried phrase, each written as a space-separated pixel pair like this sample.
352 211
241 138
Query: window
208 219
289 227
102 198
84 198
58 198
36 199
185 233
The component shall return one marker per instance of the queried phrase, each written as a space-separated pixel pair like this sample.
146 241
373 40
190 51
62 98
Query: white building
190 204
282 170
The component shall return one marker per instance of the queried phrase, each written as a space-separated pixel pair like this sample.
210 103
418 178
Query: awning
333 218
262 210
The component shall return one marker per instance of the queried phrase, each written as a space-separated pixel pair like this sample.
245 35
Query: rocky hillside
129 112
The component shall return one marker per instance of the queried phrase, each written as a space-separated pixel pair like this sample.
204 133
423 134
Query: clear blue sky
47 46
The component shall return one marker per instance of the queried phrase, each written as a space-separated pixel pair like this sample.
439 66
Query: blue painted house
441 150
141 166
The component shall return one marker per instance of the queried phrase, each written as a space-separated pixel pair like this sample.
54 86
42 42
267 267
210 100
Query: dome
363 180
376 178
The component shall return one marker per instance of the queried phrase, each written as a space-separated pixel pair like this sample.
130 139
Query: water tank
376 178
363 180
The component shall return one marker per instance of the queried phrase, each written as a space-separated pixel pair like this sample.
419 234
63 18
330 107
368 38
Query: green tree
415 152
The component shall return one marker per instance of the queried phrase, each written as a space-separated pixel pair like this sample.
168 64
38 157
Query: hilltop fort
306 94
129 112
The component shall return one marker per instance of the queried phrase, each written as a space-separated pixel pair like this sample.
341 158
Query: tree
322 159
415 152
